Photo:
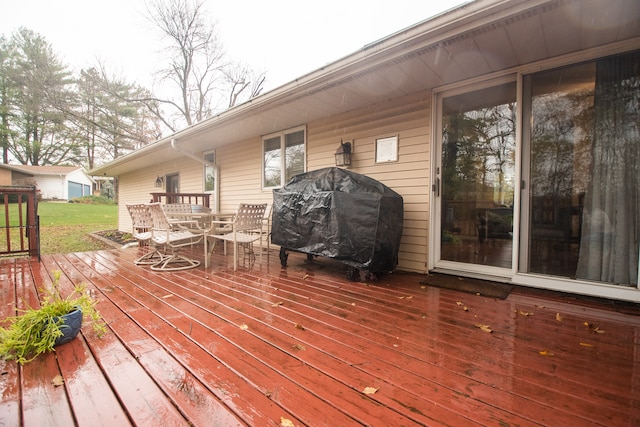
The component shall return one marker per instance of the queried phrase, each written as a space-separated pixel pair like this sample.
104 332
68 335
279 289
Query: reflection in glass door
582 136
477 176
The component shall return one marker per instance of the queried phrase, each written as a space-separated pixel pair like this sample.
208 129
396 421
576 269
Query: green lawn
64 226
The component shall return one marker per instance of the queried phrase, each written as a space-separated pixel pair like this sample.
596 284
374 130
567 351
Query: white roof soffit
474 39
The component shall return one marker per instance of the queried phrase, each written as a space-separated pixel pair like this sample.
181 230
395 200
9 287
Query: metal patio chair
172 237
246 228
142 223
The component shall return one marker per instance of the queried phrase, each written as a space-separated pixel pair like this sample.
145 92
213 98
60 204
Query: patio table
207 223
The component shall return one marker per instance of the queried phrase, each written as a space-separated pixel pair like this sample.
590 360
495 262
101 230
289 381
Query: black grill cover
342 215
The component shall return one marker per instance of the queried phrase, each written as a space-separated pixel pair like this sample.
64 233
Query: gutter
174 145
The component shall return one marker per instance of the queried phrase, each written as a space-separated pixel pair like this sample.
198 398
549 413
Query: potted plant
56 321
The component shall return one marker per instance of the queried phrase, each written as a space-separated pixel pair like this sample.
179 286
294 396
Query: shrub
93 200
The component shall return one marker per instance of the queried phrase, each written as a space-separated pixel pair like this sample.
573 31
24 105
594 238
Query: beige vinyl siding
408 117
241 175
240 166
136 187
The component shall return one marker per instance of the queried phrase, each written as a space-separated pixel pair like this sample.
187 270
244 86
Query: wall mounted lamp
343 154
160 181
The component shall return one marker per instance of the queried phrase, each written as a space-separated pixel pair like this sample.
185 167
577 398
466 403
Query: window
283 157
209 172
210 184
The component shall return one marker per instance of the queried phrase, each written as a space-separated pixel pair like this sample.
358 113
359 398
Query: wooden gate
20 221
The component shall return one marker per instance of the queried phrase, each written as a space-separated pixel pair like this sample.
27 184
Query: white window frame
283 166
213 201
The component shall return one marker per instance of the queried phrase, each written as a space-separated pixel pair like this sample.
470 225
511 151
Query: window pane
294 154
209 179
272 162
585 151
478 171
209 173
562 115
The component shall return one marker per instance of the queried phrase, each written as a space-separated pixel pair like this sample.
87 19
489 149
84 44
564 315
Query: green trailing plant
35 330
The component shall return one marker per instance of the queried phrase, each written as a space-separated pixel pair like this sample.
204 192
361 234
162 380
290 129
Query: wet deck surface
272 345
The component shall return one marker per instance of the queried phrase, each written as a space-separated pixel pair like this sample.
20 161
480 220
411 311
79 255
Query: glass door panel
583 135
477 176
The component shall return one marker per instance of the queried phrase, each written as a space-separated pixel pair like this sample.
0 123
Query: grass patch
64 227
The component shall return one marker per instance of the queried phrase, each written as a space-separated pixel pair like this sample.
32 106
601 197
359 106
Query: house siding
137 186
240 167
410 119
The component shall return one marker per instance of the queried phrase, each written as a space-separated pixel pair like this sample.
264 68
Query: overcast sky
285 38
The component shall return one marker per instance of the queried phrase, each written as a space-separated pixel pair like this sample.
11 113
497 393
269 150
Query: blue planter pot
70 327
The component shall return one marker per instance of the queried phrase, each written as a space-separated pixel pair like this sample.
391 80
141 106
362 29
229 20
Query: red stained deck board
89 392
146 357
275 353
414 342
223 382
545 392
42 402
290 396
271 327
496 353
372 358
145 404
278 360
9 373
370 363
407 406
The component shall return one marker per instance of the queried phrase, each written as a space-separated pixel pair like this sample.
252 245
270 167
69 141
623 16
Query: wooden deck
272 345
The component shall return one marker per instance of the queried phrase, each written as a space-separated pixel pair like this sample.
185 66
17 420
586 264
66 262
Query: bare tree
243 84
196 58
197 65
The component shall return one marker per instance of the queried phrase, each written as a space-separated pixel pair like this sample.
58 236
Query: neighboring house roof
475 39
44 170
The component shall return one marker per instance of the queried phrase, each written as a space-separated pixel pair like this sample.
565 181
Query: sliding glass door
476 174
582 140
574 212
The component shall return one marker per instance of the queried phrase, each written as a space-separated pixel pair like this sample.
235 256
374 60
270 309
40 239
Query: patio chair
164 233
141 230
246 228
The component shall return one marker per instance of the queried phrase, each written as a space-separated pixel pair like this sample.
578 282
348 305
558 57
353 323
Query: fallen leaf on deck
299 326
558 317
370 390
299 347
584 344
546 353
594 328
244 327
285 422
305 276
464 307
484 328
57 381
525 313
277 304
